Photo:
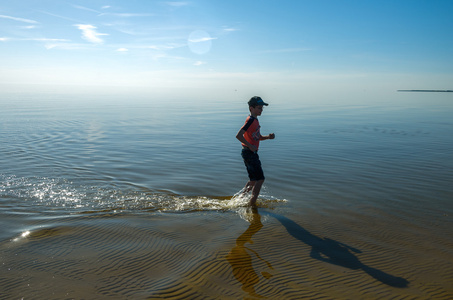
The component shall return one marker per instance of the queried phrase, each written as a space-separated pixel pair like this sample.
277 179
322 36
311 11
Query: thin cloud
49 43
199 63
33 39
128 15
45 40
86 8
28 27
229 29
122 49
89 33
19 19
200 40
58 16
177 3
121 15
287 50
65 46
164 47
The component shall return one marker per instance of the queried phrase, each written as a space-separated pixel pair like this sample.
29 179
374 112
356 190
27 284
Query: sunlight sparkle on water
22 236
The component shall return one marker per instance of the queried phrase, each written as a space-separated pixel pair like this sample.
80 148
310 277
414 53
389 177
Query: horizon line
429 91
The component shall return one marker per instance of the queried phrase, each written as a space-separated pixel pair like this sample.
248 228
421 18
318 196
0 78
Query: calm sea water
106 196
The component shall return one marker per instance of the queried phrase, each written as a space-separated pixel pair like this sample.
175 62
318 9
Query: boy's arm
271 136
241 138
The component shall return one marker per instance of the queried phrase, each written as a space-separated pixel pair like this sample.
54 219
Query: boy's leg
248 187
255 172
255 192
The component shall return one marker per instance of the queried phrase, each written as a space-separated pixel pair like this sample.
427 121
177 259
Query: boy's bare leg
256 191
248 187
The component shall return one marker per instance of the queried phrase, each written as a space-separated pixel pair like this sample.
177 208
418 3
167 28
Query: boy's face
257 110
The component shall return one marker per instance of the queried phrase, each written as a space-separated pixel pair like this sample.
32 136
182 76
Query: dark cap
254 101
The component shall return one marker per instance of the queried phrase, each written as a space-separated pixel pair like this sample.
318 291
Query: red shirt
252 131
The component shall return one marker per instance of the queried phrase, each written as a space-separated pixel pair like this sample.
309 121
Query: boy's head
256 106
256 101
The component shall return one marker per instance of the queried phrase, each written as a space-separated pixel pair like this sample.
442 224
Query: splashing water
57 194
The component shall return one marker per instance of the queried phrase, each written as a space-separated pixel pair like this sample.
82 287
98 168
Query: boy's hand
272 136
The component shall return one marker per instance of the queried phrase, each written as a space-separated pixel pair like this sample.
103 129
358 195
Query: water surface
105 196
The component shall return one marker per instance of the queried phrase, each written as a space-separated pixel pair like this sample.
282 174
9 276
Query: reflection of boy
249 135
242 262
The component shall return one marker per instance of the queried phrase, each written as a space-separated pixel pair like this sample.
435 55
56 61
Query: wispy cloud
49 43
58 16
129 15
4 39
165 47
286 50
19 19
65 46
177 3
122 50
90 34
86 8
45 40
199 63
230 29
202 39
28 27
121 15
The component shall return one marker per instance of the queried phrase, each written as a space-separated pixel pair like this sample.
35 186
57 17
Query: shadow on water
334 252
323 249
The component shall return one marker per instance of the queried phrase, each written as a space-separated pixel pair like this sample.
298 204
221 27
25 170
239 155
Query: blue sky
184 46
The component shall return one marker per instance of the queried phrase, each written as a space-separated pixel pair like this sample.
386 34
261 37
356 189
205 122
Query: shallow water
104 196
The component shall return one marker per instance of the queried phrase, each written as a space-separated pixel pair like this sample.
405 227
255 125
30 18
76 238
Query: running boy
249 135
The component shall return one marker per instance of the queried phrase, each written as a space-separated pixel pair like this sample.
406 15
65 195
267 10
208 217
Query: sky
212 46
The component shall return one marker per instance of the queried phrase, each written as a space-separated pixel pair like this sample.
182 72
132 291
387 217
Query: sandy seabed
242 254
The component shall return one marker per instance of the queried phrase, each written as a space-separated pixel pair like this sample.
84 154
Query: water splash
61 194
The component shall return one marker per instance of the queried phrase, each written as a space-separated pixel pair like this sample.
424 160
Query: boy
249 135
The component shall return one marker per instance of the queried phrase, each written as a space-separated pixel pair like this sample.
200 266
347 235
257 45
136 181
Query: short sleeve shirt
252 131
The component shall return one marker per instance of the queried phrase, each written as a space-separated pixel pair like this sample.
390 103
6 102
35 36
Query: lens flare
200 42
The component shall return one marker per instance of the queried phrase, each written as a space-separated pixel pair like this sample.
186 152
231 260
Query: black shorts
253 164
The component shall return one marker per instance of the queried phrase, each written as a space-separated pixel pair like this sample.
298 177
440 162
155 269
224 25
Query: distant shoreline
428 91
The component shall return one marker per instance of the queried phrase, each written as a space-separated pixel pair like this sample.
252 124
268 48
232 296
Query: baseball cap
256 101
